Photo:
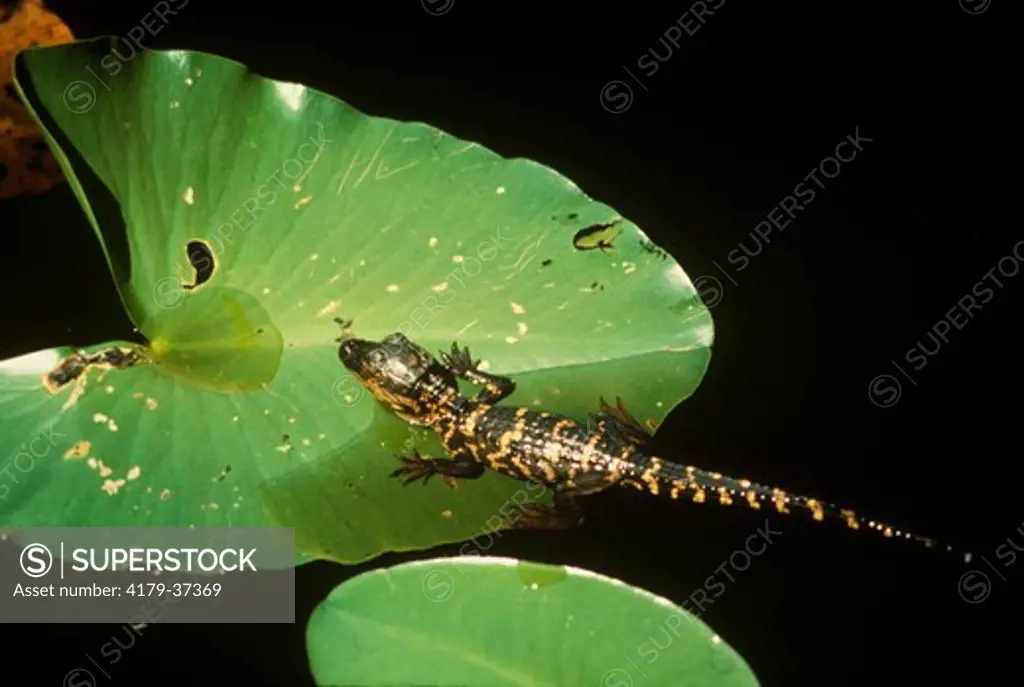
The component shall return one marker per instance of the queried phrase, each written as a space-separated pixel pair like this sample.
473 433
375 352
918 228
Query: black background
741 112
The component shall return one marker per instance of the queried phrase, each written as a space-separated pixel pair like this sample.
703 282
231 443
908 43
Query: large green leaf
310 210
482 621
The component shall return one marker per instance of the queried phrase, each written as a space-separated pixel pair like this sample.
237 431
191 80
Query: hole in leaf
596 236
71 368
201 258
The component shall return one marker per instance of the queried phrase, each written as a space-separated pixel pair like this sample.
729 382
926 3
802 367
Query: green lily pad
251 214
474 620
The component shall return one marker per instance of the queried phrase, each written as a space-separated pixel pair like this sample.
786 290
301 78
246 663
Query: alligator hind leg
565 514
620 422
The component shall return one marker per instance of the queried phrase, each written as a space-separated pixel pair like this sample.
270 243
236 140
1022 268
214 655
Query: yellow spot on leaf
96 464
99 418
111 486
78 450
328 309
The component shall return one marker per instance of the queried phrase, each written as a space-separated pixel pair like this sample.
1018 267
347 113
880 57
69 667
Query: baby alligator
568 457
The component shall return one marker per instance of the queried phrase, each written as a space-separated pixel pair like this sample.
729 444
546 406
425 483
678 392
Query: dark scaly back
530 444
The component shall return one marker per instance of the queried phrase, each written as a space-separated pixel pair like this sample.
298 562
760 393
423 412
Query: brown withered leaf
26 164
